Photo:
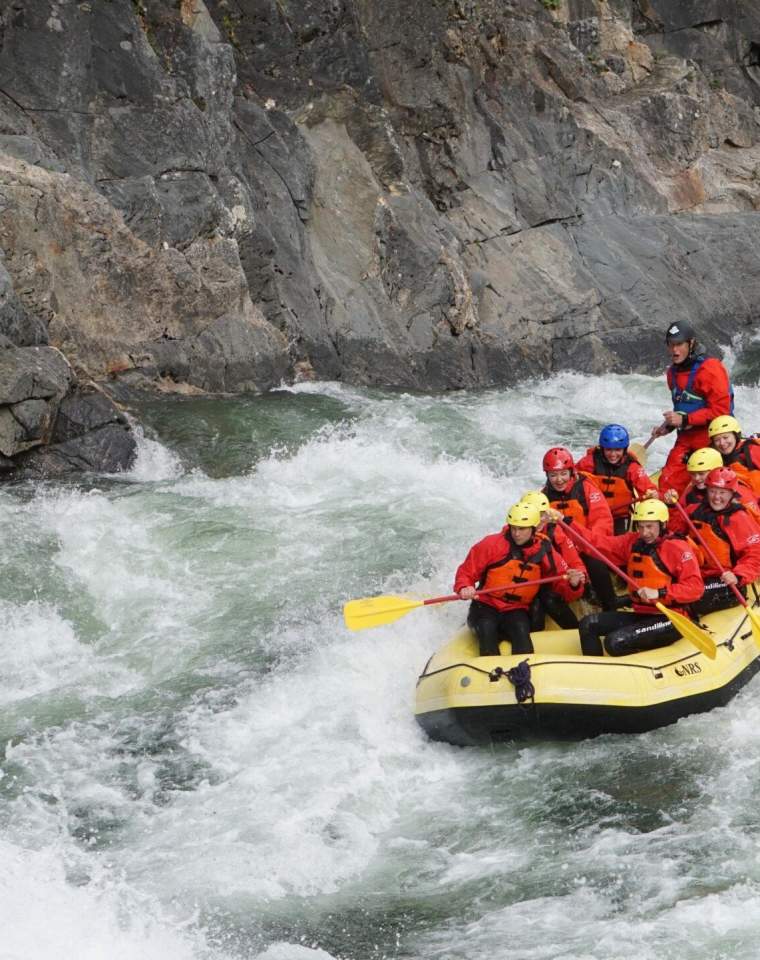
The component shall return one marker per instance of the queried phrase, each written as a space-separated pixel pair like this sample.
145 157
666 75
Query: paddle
754 619
376 611
701 640
639 450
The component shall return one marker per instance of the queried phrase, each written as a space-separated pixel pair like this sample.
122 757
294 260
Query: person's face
698 478
521 535
649 530
724 442
719 498
679 351
559 479
612 456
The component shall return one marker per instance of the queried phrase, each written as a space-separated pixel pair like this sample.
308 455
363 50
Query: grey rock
17 325
83 410
107 449
33 380
33 373
430 195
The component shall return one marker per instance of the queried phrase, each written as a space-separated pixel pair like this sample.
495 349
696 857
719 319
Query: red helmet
558 458
722 477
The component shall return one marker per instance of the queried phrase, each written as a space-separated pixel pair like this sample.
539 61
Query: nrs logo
688 669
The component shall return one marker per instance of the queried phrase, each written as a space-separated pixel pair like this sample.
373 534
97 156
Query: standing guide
701 391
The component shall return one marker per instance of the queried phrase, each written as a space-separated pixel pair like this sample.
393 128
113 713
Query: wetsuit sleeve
712 383
640 480
744 533
688 585
585 464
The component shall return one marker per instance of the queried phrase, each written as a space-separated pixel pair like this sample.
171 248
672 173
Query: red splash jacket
669 565
710 387
734 538
617 481
584 504
495 560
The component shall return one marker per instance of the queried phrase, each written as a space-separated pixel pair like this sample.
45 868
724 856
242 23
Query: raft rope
519 677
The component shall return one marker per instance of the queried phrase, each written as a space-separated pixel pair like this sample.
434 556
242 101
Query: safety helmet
558 458
723 424
536 498
706 458
680 332
614 437
722 477
650 510
523 515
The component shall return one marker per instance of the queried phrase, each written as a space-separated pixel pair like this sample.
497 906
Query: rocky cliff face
453 193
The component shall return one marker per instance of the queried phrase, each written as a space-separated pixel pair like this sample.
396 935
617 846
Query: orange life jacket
572 503
740 461
517 566
708 523
612 480
646 566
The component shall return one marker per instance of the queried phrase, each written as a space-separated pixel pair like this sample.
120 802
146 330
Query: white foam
43 916
321 795
41 653
154 462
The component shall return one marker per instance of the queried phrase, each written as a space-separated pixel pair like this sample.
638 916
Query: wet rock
107 449
214 197
33 381
90 433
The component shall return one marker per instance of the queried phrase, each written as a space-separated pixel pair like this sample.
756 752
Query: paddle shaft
701 640
598 554
713 559
651 440
501 589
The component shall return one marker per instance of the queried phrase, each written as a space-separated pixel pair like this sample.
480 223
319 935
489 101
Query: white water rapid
199 762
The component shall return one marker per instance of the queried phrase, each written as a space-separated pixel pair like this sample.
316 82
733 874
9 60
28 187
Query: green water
201 762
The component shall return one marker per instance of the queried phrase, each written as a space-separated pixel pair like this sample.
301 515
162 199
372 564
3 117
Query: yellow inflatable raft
463 698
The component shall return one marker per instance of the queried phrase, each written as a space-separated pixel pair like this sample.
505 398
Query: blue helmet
614 437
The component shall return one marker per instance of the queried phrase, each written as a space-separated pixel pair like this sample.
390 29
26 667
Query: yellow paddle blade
639 452
375 611
690 631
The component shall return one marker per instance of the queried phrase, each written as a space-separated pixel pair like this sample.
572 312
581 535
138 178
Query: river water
201 763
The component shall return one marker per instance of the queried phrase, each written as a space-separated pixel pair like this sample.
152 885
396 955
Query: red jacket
744 460
692 497
564 546
710 382
583 505
495 551
734 530
681 579
616 481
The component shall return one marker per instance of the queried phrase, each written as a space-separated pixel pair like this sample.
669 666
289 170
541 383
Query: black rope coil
519 677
